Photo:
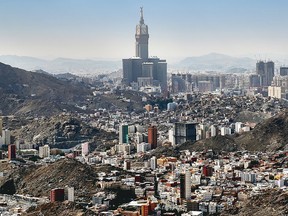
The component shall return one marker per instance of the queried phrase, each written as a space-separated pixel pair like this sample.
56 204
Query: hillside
25 93
60 209
60 131
28 93
269 135
271 202
39 180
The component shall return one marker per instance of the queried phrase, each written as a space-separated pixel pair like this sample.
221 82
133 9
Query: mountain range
62 65
216 62
209 62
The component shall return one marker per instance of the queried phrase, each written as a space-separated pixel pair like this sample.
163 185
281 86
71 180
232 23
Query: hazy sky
178 28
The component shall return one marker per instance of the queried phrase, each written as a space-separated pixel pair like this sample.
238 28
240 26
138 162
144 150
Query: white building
153 163
238 127
6 137
85 149
248 177
275 91
187 185
280 182
171 137
44 151
213 131
225 131
143 147
123 148
71 197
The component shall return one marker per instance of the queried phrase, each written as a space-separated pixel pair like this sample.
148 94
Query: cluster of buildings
14 205
200 82
195 183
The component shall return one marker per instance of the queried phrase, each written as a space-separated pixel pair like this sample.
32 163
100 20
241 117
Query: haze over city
178 29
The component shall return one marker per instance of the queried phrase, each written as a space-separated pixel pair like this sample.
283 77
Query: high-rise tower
185 185
265 71
141 37
141 70
152 136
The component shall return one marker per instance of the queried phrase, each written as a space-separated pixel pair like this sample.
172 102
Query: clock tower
142 37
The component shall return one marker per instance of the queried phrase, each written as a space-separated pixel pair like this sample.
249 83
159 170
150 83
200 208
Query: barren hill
24 92
60 209
269 135
39 180
272 202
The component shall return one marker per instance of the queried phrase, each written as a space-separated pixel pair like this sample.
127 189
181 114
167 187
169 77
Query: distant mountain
216 62
62 65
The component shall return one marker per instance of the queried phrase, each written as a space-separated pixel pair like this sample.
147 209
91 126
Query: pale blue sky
106 28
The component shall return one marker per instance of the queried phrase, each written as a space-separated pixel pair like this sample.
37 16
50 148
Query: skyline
106 29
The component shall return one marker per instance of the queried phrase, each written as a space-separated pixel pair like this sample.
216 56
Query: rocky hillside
25 93
39 180
269 203
55 130
60 209
269 135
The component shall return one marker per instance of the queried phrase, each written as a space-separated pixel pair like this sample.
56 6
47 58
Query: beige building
44 151
275 91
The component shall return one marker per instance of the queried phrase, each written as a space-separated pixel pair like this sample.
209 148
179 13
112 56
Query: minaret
142 37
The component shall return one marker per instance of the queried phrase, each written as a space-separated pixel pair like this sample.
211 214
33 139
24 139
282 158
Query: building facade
183 132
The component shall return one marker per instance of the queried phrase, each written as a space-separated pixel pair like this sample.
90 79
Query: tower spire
141 16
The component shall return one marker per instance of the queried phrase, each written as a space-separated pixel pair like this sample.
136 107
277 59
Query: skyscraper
183 132
185 185
141 37
283 71
143 70
265 71
152 136
123 134
11 152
